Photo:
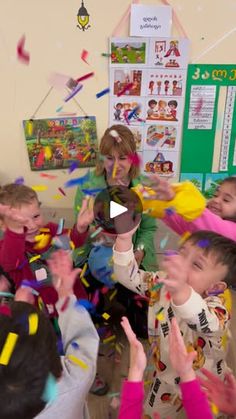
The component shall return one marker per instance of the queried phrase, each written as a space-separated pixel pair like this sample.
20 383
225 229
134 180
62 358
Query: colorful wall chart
58 142
147 85
209 128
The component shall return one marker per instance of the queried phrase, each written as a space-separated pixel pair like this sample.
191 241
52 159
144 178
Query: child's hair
16 195
230 179
34 357
126 146
221 247
152 102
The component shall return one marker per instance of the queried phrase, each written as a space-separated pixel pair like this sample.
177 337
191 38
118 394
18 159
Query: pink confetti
127 87
5 310
84 55
134 159
57 80
45 175
85 77
21 53
62 192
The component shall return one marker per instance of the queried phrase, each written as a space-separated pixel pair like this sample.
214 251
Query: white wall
55 44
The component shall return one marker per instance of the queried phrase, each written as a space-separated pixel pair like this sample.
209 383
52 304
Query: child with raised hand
35 381
191 289
183 208
23 223
194 400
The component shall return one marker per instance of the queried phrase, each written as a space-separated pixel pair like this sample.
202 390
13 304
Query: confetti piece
59 109
77 181
156 286
74 165
86 156
164 241
85 303
42 241
91 191
109 339
96 232
58 81
203 243
5 310
34 258
19 181
105 54
57 197
33 323
168 296
160 314
83 270
184 237
114 170
75 345
113 394
6 294
22 55
65 304
214 409
106 316
52 177
8 348
83 280
127 87
39 188
133 112
102 93
50 391
84 55
134 159
113 295
104 290
170 252
60 226
147 383
73 92
85 77
169 211
62 192
77 361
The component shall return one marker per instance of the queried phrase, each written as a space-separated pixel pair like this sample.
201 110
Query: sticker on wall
57 143
128 51
83 18
163 163
138 136
171 53
163 109
166 82
128 110
213 180
163 137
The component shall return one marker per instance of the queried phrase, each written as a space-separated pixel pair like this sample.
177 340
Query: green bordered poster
209 129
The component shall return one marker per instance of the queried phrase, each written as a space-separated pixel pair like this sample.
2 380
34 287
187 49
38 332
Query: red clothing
15 253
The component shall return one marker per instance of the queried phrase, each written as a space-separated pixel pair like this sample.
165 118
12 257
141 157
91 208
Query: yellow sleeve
188 201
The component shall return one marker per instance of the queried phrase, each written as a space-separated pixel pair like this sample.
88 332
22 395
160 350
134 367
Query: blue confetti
60 226
133 112
102 93
91 191
77 181
74 165
75 345
19 181
203 243
169 211
164 241
170 252
86 304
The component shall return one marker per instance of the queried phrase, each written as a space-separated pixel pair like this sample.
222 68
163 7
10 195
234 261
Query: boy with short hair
35 381
24 258
192 290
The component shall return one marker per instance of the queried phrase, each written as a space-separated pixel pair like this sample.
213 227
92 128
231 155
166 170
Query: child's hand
176 280
85 216
221 393
162 187
13 218
64 276
138 360
180 359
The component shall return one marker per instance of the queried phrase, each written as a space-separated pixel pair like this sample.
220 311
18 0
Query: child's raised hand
180 359
162 187
85 216
64 276
138 360
13 218
221 393
176 273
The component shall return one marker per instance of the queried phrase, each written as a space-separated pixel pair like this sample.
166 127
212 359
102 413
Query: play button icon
117 209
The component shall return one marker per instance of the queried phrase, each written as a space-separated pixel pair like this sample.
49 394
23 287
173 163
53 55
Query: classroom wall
55 44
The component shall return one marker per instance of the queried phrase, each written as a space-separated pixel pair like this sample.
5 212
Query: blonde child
191 289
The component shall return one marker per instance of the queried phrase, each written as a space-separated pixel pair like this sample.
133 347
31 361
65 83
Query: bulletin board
209 126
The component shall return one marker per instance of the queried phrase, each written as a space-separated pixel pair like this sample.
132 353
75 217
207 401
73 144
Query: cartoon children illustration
158 87
167 85
172 104
151 86
159 157
151 112
174 87
117 114
173 50
162 109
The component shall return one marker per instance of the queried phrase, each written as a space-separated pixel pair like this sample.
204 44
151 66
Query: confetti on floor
8 348
22 54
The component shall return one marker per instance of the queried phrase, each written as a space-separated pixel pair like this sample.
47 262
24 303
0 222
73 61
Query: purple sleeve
207 221
195 401
131 404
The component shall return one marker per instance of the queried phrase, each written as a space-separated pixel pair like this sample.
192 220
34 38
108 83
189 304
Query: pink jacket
194 400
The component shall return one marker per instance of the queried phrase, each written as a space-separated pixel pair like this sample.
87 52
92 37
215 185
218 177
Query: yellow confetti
83 280
39 188
44 230
86 156
83 270
147 383
118 349
40 304
111 261
224 341
160 316
57 196
114 170
42 241
113 295
72 245
106 316
80 251
110 339
112 277
8 348
214 409
34 258
77 361
33 323
184 237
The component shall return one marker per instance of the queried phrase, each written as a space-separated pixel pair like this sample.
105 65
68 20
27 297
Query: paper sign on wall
150 20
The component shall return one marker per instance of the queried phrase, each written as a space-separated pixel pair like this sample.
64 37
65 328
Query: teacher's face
117 166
